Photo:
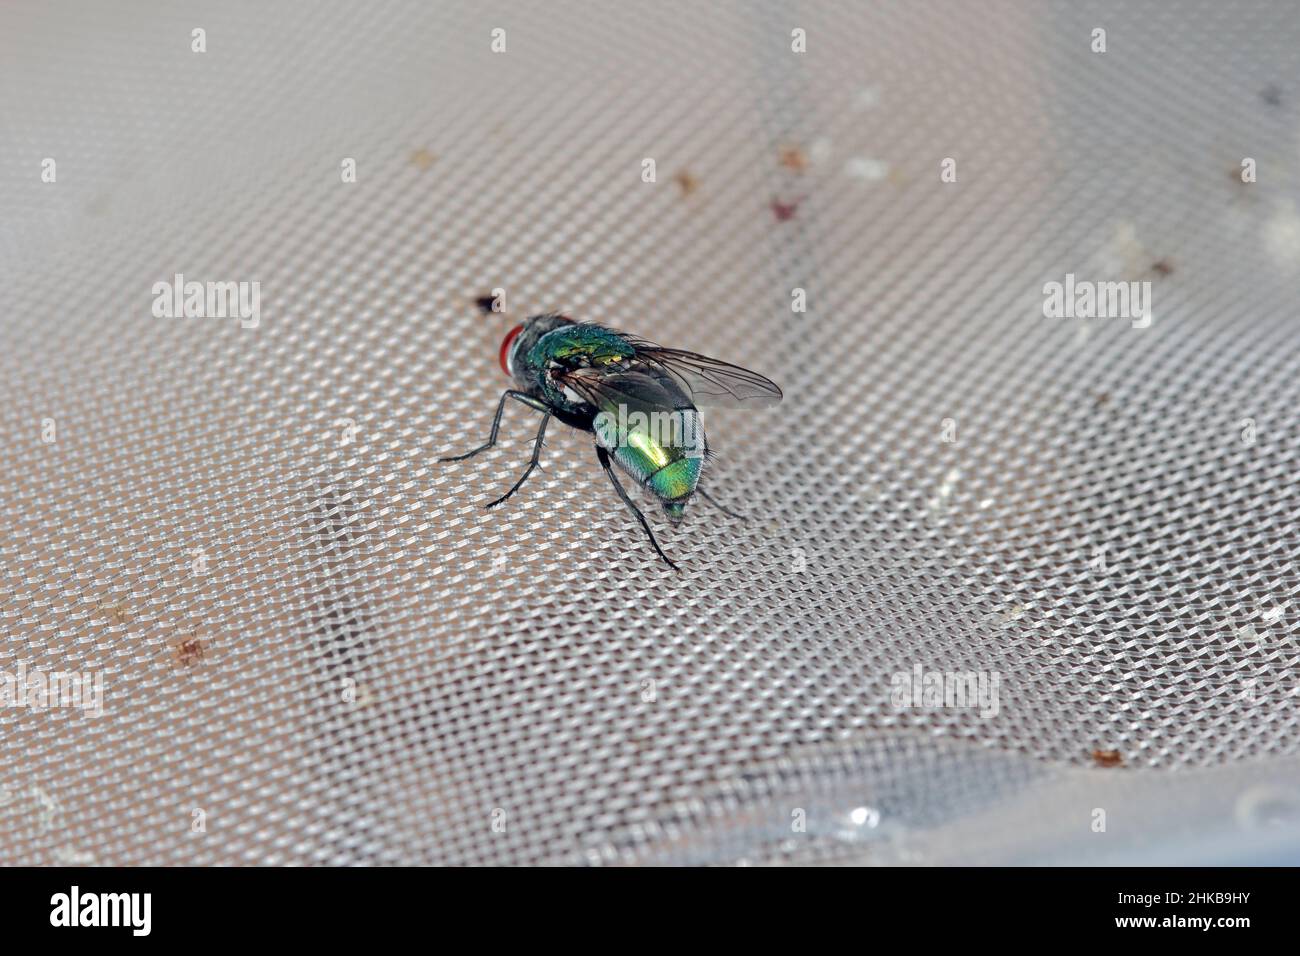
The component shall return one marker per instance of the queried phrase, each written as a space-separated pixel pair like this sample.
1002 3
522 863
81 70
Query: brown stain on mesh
794 159
117 613
1107 758
785 211
188 649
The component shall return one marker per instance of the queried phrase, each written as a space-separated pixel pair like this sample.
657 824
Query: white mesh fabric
1099 535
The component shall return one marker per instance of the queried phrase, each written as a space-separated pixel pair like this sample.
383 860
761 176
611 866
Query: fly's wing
709 381
645 389
643 407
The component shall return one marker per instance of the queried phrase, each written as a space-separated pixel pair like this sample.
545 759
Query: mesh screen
316 646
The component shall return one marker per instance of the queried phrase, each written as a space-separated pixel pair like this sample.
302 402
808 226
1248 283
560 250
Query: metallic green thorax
567 346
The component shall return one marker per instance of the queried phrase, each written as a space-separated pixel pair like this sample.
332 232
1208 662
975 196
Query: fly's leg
604 463
537 452
725 510
496 422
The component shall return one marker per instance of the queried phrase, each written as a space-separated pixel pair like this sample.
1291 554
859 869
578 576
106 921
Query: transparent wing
710 381
644 410
649 389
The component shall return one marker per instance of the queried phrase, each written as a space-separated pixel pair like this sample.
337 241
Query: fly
639 401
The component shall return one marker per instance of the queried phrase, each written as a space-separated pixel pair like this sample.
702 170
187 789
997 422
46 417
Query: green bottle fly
639 400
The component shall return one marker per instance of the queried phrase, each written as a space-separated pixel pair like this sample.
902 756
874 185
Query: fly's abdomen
659 443
670 480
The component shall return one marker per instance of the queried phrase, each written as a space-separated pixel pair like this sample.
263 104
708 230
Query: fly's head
519 342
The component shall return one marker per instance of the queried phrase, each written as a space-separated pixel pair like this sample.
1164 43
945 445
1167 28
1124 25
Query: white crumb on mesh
49 808
1122 255
1282 235
939 503
866 98
861 167
71 856
1273 614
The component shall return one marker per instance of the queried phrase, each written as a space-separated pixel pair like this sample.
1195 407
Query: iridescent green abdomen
667 470
650 427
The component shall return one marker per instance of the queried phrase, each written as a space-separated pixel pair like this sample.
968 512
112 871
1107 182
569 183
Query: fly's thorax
567 347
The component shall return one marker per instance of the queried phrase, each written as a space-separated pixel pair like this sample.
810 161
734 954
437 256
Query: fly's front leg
523 397
537 453
604 463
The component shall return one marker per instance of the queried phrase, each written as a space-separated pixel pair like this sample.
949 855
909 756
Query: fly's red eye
505 347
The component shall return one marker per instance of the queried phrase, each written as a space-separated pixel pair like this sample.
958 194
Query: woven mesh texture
323 650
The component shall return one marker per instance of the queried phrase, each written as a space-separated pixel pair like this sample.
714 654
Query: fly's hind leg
723 508
537 452
603 455
496 422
